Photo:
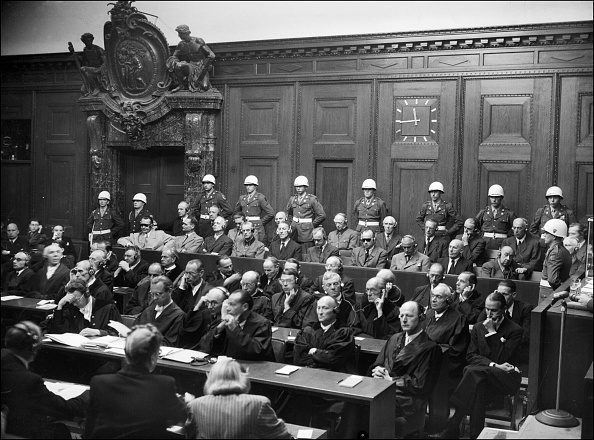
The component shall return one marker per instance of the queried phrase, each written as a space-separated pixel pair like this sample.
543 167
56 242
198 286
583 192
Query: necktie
282 247
426 246
407 257
451 268
366 255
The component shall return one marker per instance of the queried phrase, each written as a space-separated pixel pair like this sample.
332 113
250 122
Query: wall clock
416 120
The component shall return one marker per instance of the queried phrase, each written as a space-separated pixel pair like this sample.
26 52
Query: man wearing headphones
85 273
369 255
504 266
54 274
225 275
248 245
410 260
189 242
322 250
131 269
470 302
291 306
218 243
140 298
262 306
422 294
345 312
147 238
21 280
98 259
285 247
379 317
343 238
334 264
32 408
192 286
412 360
303 281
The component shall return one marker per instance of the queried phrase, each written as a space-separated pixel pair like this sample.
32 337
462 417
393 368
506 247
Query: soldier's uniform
345 240
546 213
495 227
134 221
444 214
105 227
370 214
305 215
203 203
556 267
257 210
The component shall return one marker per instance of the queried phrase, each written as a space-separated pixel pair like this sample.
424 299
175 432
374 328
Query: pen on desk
340 381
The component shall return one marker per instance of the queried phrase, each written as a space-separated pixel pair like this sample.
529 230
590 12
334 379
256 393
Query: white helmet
104 195
554 191
436 186
369 184
556 227
301 181
209 178
140 197
251 180
496 191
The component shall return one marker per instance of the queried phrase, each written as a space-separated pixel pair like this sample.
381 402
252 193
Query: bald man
174 227
392 290
250 282
504 266
140 297
455 263
527 249
389 240
343 238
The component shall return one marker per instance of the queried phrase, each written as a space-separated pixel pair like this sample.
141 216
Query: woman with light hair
227 411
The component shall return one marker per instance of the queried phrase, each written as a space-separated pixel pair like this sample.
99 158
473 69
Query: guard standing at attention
442 212
369 211
553 210
255 207
210 197
140 210
305 213
104 223
495 221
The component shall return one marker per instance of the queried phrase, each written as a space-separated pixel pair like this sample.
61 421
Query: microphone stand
557 417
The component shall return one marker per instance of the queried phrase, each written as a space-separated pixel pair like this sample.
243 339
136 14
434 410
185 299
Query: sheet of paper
47 306
9 297
351 381
119 351
45 301
358 338
287 369
185 356
164 351
119 327
274 329
105 341
305 433
66 390
71 339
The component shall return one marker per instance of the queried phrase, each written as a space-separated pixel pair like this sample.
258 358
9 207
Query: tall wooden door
159 174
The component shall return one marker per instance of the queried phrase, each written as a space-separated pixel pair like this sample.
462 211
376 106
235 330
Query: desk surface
368 345
23 303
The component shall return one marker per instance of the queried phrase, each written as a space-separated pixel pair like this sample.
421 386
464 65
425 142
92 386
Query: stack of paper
119 327
108 341
287 369
66 390
351 381
185 356
9 297
71 339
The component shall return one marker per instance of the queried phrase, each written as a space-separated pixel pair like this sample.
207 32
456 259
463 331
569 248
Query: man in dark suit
455 263
10 246
169 263
334 264
431 245
32 407
131 269
378 317
21 280
321 250
261 302
58 273
491 370
302 281
218 243
140 298
241 334
192 286
174 227
469 302
504 266
292 305
474 243
422 294
389 240
84 272
99 263
369 255
526 247
284 247
64 241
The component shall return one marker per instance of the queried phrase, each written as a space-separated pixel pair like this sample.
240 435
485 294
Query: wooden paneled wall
509 105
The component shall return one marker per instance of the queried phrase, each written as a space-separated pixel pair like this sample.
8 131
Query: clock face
416 120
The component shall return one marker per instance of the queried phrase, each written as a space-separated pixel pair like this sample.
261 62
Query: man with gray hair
54 274
573 246
504 266
389 240
393 292
250 283
332 285
218 243
140 297
378 318
284 247
98 259
422 294
410 260
526 247
322 250
455 263
343 238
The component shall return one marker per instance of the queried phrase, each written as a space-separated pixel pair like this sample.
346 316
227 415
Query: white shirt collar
159 309
411 338
326 327
196 288
87 311
510 309
439 315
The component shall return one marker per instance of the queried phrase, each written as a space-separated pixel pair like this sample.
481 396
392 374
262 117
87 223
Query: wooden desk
24 309
121 296
377 395
368 345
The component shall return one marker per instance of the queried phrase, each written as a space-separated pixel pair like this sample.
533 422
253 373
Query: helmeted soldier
305 213
104 223
139 202
448 221
553 209
210 197
557 262
369 210
255 207
495 221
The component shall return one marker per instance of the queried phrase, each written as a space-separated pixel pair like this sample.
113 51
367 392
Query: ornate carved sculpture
91 63
190 62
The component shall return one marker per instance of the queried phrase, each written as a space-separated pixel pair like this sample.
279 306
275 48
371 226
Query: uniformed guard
139 202
104 223
495 221
369 210
557 262
210 197
255 207
448 220
305 213
554 209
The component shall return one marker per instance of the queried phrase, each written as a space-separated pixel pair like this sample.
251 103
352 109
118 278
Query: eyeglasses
20 259
366 239
144 225
75 271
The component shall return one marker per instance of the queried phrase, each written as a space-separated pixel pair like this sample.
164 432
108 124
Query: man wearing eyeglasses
21 280
410 260
290 306
334 264
369 255
140 298
205 316
131 269
285 247
147 238
322 250
10 246
422 294
250 283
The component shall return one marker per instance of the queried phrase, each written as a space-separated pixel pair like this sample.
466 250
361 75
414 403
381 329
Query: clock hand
415 116
411 120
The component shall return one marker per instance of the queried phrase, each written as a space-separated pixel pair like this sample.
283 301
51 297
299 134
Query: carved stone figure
190 62
91 63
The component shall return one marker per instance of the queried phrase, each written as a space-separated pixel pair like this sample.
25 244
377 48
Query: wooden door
334 189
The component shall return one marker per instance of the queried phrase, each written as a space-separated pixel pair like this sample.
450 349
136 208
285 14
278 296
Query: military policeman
305 213
448 221
140 210
554 209
369 210
255 207
557 262
210 197
104 223
495 221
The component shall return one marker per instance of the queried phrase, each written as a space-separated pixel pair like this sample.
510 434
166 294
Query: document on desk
48 306
185 356
109 341
351 381
287 369
305 433
66 390
119 327
9 297
71 339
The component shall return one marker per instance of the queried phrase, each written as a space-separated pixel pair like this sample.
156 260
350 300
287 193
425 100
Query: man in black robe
422 294
470 302
379 317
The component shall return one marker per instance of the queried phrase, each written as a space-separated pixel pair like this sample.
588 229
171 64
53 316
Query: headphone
31 337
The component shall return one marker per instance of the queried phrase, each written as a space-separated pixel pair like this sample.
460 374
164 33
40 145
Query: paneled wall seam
553 156
296 124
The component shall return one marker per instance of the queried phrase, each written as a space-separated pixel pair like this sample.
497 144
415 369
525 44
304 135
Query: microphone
559 295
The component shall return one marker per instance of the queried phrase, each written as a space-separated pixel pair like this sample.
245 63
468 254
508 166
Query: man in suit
412 360
147 238
192 286
11 245
54 275
432 246
163 313
422 294
134 402
393 292
578 232
469 302
410 260
174 227
343 238
492 357
218 243
21 280
572 246
269 280
131 269
169 260
250 282
84 272
369 255
248 245
64 241
33 409
285 248
455 263
389 240
290 306
345 313
526 247
504 266
473 244
225 275
189 242
205 315
378 317
302 281
321 250
282 216
140 297
241 333
334 264
99 263
519 312
37 239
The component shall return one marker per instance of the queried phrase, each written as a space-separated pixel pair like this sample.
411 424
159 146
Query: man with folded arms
189 242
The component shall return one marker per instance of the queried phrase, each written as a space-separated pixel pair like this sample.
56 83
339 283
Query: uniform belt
494 235
544 283
366 223
441 228
104 231
302 220
253 218
204 216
